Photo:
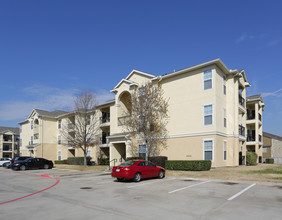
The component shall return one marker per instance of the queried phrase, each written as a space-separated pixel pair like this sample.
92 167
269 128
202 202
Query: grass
267 171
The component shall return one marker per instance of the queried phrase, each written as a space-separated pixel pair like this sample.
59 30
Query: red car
137 170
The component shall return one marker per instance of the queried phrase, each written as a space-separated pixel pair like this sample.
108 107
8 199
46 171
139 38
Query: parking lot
72 194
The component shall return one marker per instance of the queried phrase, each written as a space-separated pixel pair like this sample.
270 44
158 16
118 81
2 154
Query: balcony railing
241 130
251 115
260 138
251 138
104 119
7 148
259 116
7 138
241 100
122 120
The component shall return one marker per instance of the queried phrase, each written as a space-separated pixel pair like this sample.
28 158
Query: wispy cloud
277 93
45 98
274 42
246 36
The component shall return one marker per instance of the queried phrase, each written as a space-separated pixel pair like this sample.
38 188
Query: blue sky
49 50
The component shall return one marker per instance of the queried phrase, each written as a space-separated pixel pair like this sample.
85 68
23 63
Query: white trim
139 72
225 142
208 139
212 78
211 115
124 80
117 142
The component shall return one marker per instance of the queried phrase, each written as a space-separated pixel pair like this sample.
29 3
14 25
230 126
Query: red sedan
137 170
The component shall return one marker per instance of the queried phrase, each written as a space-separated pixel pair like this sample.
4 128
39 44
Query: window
208 114
59 139
31 124
88 117
207 79
21 142
208 150
224 150
59 155
88 153
264 150
224 85
224 118
31 140
142 150
59 124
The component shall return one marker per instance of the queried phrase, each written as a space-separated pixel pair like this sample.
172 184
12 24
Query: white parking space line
89 178
150 183
188 187
239 193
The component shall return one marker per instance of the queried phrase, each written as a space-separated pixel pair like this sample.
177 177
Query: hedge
103 161
159 160
61 162
191 165
78 160
251 158
269 160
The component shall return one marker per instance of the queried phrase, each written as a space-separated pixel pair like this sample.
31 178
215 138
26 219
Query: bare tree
81 128
147 120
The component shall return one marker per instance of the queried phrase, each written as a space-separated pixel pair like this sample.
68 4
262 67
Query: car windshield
128 163
26 160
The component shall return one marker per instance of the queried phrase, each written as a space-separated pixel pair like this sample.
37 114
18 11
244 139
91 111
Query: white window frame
59 155
88 153
224 84
31 124
204 80
264 149
142 144
59 139
225 150
212 114
60 124
224 118
212 140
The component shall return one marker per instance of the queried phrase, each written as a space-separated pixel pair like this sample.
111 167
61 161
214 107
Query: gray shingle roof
53 114
16 131
273 136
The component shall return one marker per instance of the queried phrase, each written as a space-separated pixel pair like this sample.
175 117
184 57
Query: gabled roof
254 98
15 131
217 62
52 114
272 136
126 80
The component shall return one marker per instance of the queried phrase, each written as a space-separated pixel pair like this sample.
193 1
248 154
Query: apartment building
272 147
210 118
9 141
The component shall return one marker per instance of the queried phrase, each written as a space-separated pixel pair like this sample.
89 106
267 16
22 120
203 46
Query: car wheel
46 166
161 174
137 177
22 167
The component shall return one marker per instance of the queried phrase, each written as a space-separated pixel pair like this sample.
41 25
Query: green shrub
159 160
269 160
103 161
78 160
61 162
191 165
251 158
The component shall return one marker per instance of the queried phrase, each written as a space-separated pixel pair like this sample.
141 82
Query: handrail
115 160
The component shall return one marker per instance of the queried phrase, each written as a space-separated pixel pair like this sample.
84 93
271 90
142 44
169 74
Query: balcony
251 138
7 138
241 130
71 127
103 139
7 148
241 101
260 138
259 116
122 120
105 119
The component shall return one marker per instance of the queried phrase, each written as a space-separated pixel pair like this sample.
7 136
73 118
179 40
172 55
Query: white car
4 160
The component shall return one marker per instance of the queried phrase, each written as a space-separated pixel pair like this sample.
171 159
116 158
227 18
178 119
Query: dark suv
16 159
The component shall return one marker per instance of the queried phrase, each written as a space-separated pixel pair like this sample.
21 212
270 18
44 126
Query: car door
151 169
30 163
142 168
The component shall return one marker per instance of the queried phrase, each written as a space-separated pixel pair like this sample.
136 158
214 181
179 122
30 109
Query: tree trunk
85 161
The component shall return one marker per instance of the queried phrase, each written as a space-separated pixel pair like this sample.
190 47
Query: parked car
7 164
32 163
137 170
4 160
19 158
